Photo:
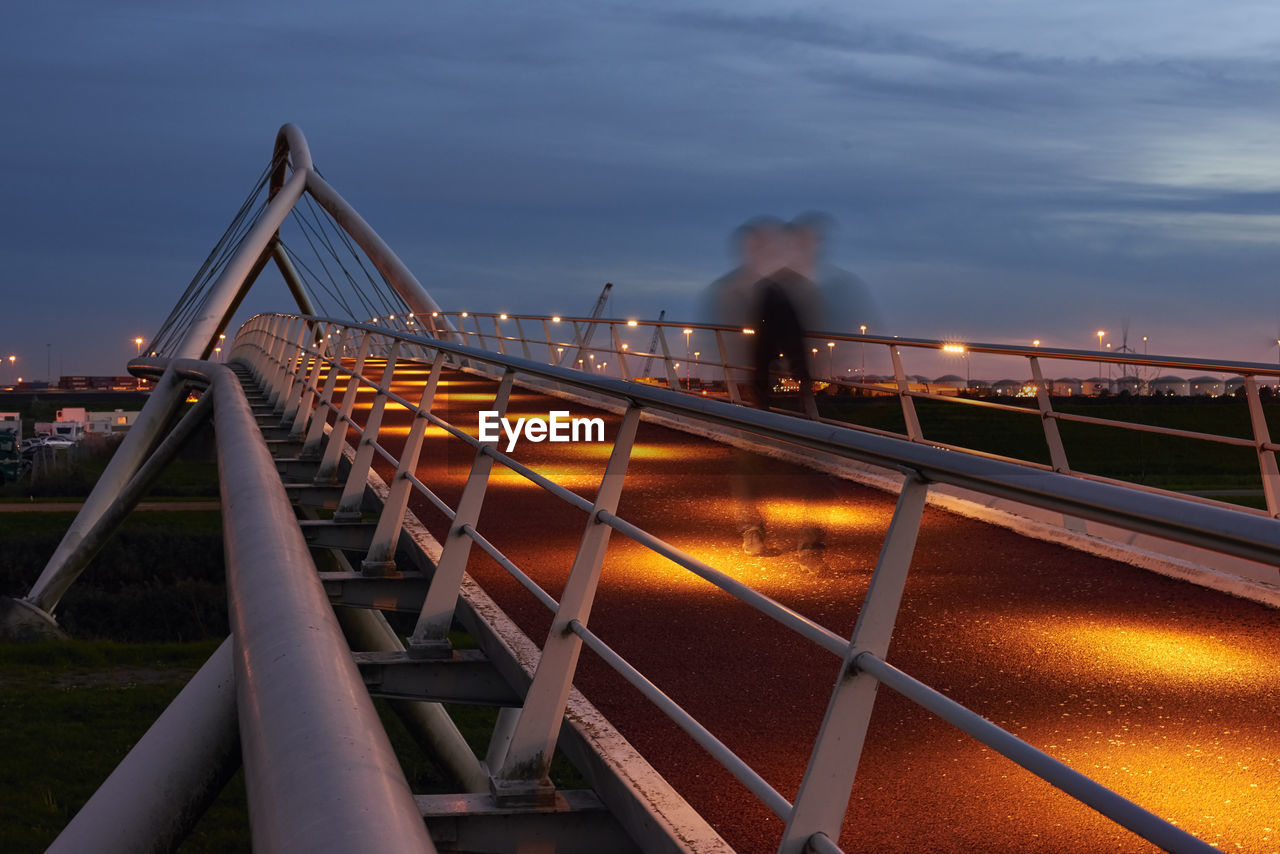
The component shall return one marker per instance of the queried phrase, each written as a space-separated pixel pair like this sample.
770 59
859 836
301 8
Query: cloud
1017 152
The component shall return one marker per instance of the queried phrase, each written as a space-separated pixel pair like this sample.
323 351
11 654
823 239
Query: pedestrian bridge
980 659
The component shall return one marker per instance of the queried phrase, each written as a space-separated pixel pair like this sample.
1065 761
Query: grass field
1155 460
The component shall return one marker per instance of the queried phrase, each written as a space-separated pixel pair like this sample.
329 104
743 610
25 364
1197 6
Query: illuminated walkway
1161 690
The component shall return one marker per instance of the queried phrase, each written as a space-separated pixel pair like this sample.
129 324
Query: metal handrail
1225 528
900 385
1229 531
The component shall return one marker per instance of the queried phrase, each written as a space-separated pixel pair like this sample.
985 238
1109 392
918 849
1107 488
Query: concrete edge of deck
1246 579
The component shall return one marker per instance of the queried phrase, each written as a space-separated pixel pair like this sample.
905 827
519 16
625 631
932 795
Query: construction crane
653 344
583 342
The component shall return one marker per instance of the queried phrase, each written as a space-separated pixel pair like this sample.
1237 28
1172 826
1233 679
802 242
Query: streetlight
831 349
12 359
697 354
1100 334
863 327
963 352
138 343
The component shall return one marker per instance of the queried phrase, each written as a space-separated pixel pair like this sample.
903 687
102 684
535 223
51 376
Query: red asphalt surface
1160 690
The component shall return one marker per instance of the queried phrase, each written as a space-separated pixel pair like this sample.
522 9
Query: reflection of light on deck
1182 723
633 566
783 517
471 397
1209 789
830 515
1154 655
583 479
602 450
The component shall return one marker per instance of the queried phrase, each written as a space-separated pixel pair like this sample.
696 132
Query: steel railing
300 360
571 342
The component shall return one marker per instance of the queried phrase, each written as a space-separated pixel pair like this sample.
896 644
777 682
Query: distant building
75 423
86 383
108 423
1206 387
1006 388
1095 386
1131 385
1170 385
1065 387
1235 384
949 384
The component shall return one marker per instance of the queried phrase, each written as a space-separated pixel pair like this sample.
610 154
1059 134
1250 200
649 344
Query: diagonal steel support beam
161 788
109 522
113 486
823 798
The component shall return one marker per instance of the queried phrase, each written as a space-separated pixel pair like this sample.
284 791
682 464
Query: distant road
73 506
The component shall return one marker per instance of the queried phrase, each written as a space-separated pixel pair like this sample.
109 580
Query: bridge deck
1156 688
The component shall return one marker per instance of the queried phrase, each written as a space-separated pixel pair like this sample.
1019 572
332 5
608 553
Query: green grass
160 578
69 712
1146 458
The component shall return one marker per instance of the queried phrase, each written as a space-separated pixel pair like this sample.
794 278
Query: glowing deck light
555 319
953 348
746 331
632 323
464 314
502 317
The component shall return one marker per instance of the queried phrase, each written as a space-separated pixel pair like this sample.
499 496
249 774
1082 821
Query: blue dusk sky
998 171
